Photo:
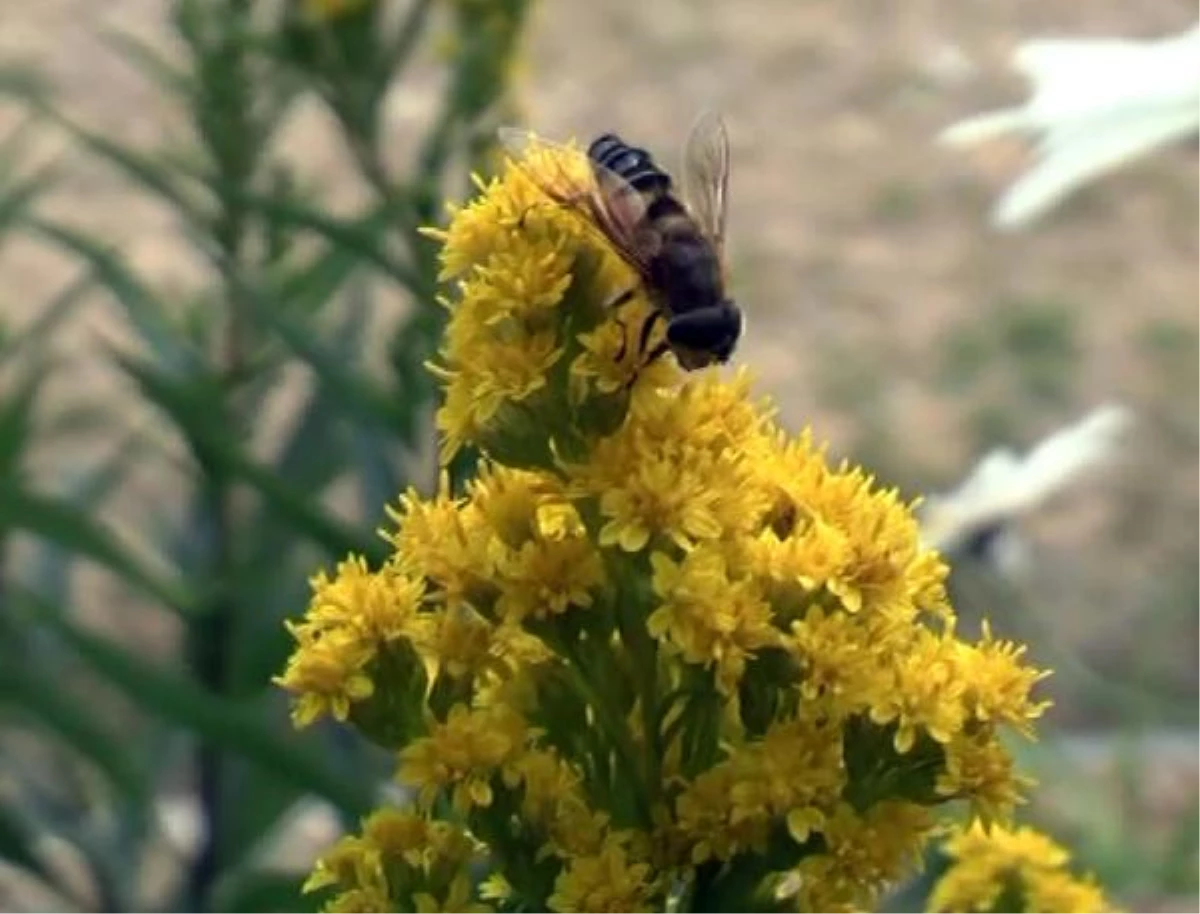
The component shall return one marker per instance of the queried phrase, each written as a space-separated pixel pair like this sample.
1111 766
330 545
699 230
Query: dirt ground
861 252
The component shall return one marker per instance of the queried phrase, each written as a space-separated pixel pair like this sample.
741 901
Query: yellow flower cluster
999 869
402 861
658 653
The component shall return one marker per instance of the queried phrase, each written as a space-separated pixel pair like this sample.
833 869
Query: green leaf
17 839
49 317
1177 868
365 237
151 61
18 194
195 402
238 728
306 288
355 394
160 177
256 806
25 82
145 311
306 456
49 568
44 702
260 890
16 421
64 524
299 509
215 444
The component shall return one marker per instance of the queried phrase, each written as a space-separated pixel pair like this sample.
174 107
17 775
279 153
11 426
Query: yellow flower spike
399 834
680 467
1019 868
658 647
547 577
360 901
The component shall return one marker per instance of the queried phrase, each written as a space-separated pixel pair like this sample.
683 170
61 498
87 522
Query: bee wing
706 176
569 177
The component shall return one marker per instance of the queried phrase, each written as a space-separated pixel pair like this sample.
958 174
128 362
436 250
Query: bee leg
615 302
619 299
573 200
655 354
647 329
643 335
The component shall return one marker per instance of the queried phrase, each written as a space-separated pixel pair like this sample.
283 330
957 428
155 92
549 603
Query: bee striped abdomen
634 165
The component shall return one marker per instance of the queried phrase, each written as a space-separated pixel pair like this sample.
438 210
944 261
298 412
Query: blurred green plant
287 288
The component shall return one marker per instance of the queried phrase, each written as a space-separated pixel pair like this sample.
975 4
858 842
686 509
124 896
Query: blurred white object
1097 104
302 832
181 823
977 517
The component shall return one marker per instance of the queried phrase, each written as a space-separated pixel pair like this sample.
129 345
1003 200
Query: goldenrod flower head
609 880
351 620
1014 870
658 652
401 859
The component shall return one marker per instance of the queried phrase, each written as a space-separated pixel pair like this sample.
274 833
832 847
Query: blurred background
214 307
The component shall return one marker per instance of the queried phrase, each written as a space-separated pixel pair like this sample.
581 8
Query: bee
676 247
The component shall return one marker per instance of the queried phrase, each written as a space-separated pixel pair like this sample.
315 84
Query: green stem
224 101
613 726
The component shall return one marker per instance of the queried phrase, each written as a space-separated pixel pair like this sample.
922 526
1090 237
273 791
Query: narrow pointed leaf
70 720
49 317
64 524
145 311
144 170
365 237
353 392
16 420
18 837
259 890
236 727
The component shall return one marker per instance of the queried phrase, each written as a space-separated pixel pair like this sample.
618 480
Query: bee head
705 336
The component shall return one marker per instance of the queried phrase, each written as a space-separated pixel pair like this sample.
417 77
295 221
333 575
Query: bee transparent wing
558 170
706 176
568 177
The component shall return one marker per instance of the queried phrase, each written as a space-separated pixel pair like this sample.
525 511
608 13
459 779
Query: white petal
985 127
1079 76
1067 454
1077 153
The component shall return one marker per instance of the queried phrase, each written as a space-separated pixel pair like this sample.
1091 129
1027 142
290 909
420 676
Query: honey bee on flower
676 247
